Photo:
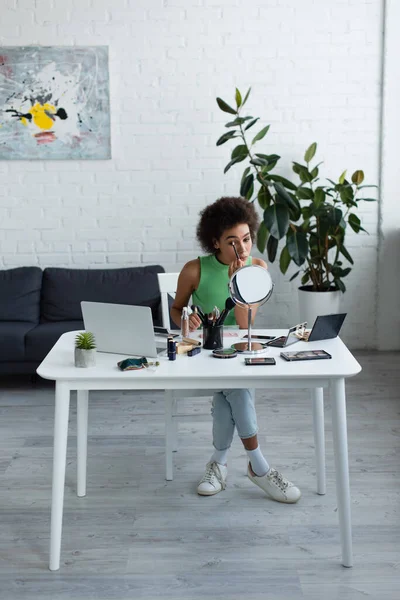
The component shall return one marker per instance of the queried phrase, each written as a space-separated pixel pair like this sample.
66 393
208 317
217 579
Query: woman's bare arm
188 282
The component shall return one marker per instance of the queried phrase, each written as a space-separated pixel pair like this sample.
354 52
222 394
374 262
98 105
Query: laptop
120 328
325 327
291 337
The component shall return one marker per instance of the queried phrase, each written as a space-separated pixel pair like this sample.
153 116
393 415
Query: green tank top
213 286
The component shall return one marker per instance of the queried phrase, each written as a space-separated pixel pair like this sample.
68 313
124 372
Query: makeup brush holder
213 337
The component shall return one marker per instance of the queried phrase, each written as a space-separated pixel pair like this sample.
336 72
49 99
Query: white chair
168 284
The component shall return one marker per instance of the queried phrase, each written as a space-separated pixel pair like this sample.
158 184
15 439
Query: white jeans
230 409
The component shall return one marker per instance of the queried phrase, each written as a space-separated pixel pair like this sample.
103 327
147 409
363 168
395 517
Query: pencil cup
212 337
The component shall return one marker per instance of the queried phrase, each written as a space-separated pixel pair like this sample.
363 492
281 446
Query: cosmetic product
185 322
224 353
236 252
183 347
191 341
194 351
171 348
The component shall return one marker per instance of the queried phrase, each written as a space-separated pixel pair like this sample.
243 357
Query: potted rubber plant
305 220
85 349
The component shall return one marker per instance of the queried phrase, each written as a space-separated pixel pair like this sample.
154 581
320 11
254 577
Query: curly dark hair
224 214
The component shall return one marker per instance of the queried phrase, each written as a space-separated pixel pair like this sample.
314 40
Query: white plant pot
85 358
314 304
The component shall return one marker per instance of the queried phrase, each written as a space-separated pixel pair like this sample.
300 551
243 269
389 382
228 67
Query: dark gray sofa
37 306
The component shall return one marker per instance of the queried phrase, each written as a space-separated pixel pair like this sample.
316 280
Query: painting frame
54 103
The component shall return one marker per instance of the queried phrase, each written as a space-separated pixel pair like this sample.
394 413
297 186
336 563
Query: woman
228 222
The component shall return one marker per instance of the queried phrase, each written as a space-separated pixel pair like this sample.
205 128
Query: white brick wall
314 68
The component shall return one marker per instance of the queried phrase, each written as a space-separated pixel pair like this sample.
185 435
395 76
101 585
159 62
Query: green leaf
310 152
246 96
225 107
305 278
272 247
305 193
284 260
346 194
338 272
285 196
271 159
240 152
319 196
238 98
264 197
276 219
253 122
259 162
342 178
288 184
295 208
245 173
340 285
236 122
225 137
250 191
247 184
262 235
297 246
358 177
346 254
294 276
85 340
355 223
368 199
260 134
302 172
233 162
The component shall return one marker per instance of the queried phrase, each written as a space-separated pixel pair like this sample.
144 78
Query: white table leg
339 430
59 459
319 437
169 434
82 404
175 425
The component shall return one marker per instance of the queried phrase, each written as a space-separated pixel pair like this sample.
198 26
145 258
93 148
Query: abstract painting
54 103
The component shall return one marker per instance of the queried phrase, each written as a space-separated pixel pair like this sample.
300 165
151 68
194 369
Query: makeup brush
236 252
229 304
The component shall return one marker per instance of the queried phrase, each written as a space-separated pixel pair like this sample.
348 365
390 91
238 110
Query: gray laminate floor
136 536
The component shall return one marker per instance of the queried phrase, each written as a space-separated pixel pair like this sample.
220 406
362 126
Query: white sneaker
276 486
214 479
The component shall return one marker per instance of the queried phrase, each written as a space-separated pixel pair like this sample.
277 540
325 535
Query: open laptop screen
326 327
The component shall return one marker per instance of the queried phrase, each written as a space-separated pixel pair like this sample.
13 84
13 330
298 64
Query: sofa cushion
40 340
12 336
64 289
20 294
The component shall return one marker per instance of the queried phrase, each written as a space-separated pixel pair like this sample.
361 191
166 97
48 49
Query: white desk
201 372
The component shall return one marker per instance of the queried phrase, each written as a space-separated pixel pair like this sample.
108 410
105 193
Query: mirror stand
249 347
250 286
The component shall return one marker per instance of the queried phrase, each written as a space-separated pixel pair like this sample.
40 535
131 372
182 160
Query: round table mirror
249 287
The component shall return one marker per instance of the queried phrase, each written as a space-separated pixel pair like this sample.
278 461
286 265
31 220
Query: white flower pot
85 358
314 304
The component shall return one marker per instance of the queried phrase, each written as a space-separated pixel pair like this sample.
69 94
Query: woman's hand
234 266
194 322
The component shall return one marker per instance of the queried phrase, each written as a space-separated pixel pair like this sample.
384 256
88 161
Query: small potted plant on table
85 349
